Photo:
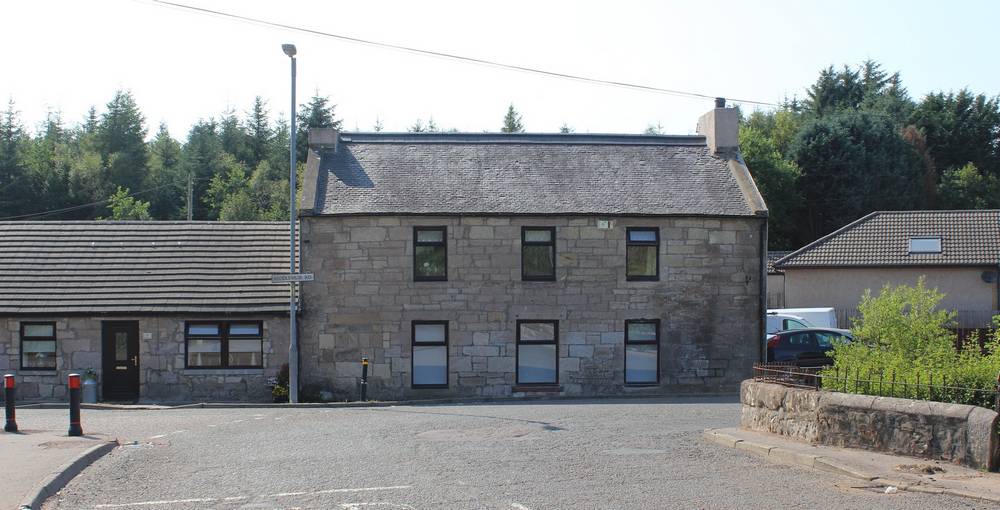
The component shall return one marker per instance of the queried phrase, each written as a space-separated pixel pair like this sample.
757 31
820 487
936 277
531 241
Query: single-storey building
957 252
159 311
775 280
519 264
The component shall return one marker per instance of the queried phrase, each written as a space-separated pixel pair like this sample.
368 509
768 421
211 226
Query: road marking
519 506
178 432
236 498
158 436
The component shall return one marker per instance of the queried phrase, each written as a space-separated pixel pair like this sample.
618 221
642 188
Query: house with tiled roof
957 252
490 264
775 280
159 311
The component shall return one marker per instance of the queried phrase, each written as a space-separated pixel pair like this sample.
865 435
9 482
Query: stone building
159 311
521 264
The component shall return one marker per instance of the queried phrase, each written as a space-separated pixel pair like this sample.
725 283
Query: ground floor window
38 346
224 344
430 354
537 352
642 351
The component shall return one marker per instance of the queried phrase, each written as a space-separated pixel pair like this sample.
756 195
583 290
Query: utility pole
190 197
293 340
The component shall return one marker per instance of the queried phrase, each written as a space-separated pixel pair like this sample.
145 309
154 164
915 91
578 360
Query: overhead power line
451 56
93 204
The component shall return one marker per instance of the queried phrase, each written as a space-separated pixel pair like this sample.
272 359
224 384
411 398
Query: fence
881 384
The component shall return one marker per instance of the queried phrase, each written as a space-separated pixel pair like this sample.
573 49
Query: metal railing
930 386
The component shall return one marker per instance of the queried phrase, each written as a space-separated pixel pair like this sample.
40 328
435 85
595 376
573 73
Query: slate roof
523 174
772 257
142 267
881 239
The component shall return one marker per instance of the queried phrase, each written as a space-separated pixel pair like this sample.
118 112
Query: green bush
901 339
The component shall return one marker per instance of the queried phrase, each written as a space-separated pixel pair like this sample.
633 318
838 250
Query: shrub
903 338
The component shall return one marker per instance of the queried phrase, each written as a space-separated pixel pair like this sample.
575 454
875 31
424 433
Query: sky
181 66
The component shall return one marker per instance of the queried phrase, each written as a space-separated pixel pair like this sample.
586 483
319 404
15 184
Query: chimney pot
720 102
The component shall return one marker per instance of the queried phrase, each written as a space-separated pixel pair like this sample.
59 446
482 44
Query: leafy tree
968 188
202 158
239 206
566 128
849 163
49 160
121 141
317 113
124 207
512 121
653 129
231 180
777 180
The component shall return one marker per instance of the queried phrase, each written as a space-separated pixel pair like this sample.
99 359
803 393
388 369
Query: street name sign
292 277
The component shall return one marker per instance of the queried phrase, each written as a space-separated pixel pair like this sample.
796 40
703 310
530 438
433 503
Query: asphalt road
625 454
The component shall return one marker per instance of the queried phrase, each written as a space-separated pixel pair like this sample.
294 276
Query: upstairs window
224 345
430 354
38 346
538 253
430 254
642 256
925 245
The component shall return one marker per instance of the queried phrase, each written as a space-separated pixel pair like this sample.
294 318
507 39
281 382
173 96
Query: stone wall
952 432
364 299
162 376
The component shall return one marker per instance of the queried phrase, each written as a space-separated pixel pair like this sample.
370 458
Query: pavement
574 454
39 461
871 470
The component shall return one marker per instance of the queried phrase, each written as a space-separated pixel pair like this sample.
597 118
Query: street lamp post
293 337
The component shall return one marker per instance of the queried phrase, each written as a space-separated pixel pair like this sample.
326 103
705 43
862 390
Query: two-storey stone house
510 264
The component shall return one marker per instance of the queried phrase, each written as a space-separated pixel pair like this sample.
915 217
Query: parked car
805 347
825 317
783 322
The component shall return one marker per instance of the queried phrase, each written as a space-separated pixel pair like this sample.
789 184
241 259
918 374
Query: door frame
107 360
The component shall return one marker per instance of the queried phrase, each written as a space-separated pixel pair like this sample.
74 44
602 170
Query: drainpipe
762 326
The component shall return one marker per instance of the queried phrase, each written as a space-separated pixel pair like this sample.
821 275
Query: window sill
537 388
642 385
429 387
222 371
642 278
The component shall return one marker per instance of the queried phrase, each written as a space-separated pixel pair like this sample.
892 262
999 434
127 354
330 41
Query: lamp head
289 49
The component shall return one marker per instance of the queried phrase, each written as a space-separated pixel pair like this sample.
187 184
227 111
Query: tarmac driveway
606 454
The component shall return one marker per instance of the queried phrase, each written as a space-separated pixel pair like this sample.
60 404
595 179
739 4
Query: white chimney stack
721 128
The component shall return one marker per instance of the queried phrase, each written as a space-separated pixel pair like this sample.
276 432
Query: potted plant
279 385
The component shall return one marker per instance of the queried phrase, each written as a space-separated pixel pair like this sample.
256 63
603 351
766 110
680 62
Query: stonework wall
952 432
162 376
364 299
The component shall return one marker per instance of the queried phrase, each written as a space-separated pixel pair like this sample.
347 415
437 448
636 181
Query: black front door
121 360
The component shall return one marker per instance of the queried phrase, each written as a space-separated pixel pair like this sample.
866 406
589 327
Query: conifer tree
512 121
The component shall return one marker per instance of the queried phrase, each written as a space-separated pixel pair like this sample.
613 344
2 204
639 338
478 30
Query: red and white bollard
74 405
9 393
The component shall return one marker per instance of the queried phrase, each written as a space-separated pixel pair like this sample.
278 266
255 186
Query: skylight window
925 245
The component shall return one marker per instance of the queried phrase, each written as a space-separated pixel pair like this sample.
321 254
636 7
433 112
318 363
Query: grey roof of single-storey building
882 239
526 174
101 267
772 257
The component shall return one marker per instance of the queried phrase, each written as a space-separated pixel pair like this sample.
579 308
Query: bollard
9 395
74 405
364 379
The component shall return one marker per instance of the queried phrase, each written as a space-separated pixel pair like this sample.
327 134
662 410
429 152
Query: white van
783 322
817 317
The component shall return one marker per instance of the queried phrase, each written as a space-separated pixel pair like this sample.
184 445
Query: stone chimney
323 138
721 128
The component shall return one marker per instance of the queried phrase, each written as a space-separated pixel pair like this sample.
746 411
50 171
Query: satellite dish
989 276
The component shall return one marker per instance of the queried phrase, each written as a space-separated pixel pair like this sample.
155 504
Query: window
537 352
224 345
642 351
430 354
38 346
642 255
430 254
538 253
925 245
